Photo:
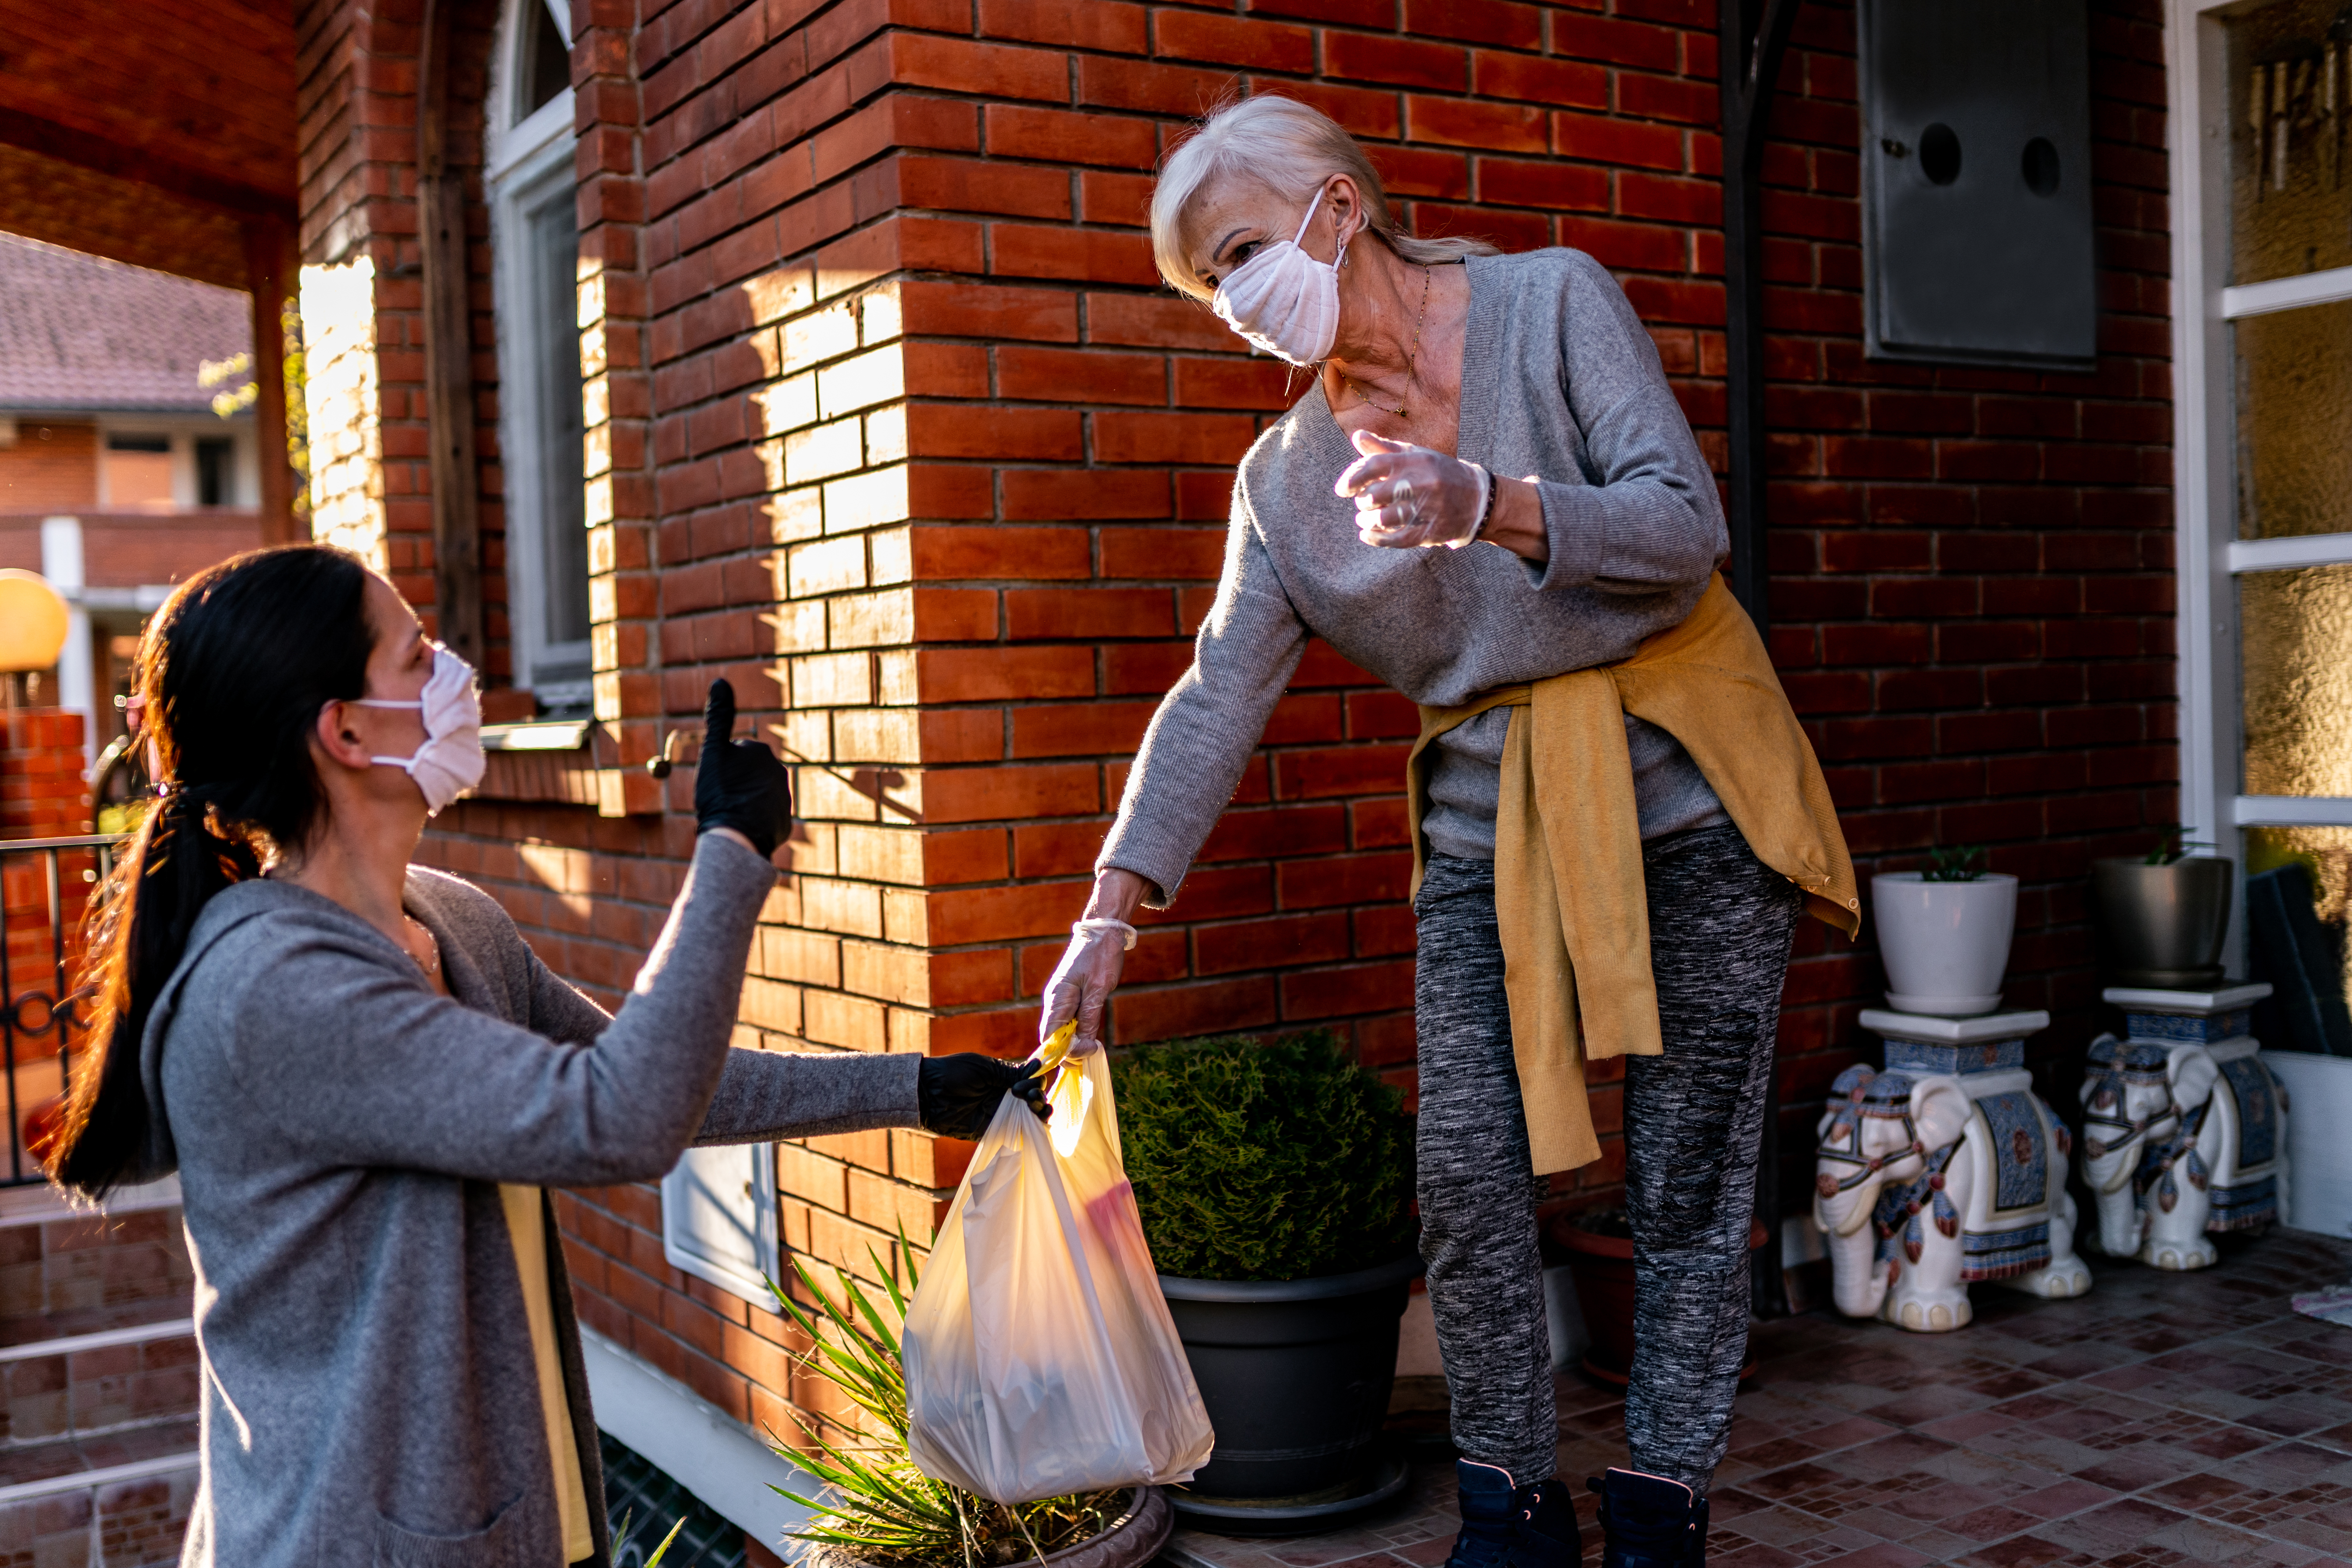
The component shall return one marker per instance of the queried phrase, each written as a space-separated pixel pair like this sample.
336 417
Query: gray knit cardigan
1559 380
339 1131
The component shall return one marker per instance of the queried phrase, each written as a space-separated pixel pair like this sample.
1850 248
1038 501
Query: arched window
535 241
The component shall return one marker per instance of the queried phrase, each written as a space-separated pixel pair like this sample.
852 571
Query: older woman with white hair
1616 819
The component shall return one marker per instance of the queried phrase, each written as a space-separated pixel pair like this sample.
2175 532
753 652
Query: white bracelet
1105 923
1486 501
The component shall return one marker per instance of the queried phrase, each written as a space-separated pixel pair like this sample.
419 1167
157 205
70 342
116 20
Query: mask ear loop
401 763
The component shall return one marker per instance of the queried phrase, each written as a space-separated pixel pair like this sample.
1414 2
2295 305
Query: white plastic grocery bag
1039 1355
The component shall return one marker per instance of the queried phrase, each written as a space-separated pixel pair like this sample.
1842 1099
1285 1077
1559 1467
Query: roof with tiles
77 332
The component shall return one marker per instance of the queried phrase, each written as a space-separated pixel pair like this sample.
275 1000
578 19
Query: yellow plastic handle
1057 1045
1067 1089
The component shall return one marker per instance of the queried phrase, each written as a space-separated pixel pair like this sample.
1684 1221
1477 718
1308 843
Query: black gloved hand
739 784
959 1095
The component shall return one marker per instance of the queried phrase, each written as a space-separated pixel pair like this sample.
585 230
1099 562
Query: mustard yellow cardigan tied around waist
1568 845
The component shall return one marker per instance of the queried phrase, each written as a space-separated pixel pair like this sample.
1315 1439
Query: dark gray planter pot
2161 927
1295 1375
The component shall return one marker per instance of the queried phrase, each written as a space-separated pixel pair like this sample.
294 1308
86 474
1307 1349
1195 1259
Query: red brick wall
359 65
128 551
52 468
902 435
1972 570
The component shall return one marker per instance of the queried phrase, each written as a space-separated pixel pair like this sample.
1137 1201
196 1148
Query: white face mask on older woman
1284 301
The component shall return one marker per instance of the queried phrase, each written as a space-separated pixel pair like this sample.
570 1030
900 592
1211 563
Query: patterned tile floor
2162 1419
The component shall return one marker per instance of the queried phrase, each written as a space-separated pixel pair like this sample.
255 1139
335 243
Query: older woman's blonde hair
1291 149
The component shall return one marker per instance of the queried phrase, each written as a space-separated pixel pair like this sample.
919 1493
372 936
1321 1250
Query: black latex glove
739 784
959 1095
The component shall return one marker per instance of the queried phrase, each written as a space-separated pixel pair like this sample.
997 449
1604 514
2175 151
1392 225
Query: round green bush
1257 1159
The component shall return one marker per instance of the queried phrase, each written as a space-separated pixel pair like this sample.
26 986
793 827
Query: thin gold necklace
1411 358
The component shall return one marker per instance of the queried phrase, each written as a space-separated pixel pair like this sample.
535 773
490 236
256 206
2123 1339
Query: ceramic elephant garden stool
1929 1182
2184 1128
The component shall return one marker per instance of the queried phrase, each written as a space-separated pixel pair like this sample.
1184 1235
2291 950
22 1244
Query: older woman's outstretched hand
1410 497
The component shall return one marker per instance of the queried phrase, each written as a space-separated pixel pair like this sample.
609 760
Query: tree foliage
1263 1159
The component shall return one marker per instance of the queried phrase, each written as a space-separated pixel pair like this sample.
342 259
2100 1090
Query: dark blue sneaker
1510 1526
1649 1521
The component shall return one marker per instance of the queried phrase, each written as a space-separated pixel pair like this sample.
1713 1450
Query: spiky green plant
2173 844
875 1505
621 1538
1961 863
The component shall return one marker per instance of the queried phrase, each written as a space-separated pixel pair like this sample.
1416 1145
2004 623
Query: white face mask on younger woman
1284 301
450 761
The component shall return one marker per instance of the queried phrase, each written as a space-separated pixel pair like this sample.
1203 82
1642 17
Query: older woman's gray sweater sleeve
1211 720
355 1064
762 1096
1649 516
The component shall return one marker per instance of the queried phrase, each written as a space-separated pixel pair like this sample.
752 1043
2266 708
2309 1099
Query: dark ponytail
232 673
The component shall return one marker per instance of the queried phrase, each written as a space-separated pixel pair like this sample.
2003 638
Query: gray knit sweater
1559 380
339 1132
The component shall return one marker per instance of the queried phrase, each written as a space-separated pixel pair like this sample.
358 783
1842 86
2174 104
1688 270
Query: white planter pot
2318 1190
1946 945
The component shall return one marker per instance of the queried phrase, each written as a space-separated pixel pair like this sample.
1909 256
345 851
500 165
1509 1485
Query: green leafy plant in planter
1961 863
2172 846
1273 1178
875 1505
1263 1159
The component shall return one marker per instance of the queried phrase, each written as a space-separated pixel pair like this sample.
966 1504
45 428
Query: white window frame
2208 557
528 163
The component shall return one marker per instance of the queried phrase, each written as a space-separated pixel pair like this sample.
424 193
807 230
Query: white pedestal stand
2224 1165
1983 1197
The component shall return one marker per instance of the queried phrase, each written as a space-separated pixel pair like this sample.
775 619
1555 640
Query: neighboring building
818 345
123 469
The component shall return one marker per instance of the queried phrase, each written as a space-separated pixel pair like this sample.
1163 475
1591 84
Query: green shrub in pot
1275 1183
1263 1159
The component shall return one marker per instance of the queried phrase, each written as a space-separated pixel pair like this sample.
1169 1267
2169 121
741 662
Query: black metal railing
45 886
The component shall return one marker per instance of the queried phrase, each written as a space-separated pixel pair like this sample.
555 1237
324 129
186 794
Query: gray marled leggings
1720 924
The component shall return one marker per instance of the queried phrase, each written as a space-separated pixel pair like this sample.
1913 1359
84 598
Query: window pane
555 249
2295 631
2294 422
545 62
2289 199
2289 947
216 472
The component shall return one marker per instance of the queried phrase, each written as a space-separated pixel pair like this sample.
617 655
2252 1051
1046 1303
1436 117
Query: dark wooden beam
66 145
270 272
1753 38
449 354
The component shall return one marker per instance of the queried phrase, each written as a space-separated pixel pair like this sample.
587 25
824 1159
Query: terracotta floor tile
2067 1497
2163 1420
1878 1555
2018 1551
2225 1441
1753 1555
2283 1465
2144 1464
1970 1424
1994 1523
2195 1492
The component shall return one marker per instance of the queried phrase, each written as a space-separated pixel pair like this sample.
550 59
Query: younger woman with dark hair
365 1079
